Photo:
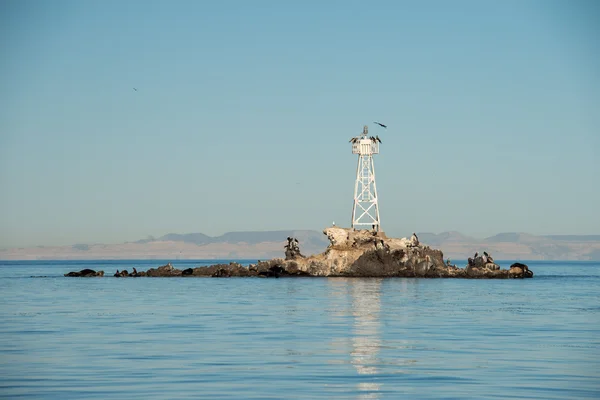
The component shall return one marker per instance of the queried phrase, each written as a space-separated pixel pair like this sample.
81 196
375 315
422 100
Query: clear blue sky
244 110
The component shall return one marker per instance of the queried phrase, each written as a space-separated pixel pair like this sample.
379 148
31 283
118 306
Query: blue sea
297 338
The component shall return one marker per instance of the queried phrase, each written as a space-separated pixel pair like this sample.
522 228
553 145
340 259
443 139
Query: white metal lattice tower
365 212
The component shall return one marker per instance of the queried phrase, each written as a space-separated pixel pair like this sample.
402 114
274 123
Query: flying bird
382 125
135 89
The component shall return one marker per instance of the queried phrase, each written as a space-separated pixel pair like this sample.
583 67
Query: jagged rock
224 270
336 236
124 274
85 273
164 271
367 253
292 250
484 262
491 266
354 253
136 273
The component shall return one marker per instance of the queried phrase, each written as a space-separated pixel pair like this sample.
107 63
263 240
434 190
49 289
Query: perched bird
377 137
382 125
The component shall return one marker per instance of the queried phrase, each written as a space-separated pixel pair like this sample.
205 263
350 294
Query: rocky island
351 253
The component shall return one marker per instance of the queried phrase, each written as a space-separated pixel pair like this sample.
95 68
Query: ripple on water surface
66 338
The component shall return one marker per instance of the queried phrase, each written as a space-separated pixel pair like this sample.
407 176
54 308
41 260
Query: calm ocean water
310 338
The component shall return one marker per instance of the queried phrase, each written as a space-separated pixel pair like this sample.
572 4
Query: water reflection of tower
366 340
360 300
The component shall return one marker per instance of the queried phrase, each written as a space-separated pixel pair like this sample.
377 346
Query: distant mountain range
269 244
517 246
231 245
308 238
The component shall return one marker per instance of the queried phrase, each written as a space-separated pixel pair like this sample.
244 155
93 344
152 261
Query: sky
244 109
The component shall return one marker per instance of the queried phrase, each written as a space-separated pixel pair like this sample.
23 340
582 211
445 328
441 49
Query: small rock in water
84 273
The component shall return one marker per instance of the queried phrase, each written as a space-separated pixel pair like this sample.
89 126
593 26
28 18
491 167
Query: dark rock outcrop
224 271
164 271
364 254
85 273
351 253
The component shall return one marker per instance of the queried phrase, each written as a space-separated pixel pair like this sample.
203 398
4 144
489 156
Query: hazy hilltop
307 237
231 245
269 244
517 246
